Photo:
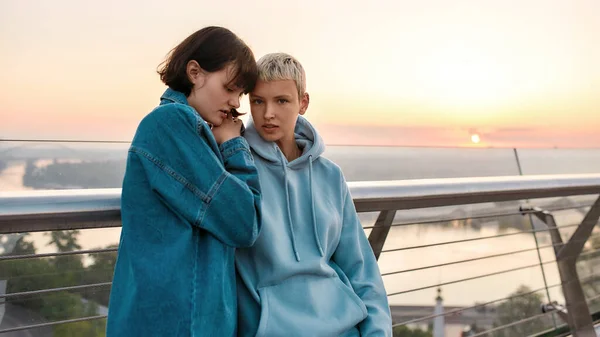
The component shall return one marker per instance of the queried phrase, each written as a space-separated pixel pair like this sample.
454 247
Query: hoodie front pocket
309 305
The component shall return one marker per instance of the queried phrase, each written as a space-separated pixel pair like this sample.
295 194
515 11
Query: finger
227 119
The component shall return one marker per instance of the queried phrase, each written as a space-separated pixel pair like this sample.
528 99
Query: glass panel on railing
61 165
64 165
364 163
559 161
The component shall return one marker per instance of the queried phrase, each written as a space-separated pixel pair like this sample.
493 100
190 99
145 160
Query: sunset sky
432 72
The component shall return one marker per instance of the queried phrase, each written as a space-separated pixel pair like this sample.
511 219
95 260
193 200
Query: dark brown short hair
213 48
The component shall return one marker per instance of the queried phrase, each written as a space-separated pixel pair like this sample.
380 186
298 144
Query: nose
269 112
234 102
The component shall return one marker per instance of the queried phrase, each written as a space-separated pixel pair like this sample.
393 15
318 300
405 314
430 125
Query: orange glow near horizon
524 75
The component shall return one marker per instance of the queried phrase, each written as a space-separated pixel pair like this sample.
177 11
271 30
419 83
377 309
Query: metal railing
57 210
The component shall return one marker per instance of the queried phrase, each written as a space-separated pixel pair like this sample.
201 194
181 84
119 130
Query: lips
270 128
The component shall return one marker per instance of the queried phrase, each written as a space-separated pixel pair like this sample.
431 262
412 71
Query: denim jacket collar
173 96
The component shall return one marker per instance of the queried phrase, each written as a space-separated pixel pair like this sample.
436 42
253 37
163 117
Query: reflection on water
463 293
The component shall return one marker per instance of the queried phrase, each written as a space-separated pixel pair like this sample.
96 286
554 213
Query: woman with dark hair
190 196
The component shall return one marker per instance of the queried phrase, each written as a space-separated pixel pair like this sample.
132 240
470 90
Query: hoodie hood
307 138
312 146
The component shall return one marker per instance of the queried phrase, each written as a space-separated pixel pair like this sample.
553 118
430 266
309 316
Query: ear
304 103
195 73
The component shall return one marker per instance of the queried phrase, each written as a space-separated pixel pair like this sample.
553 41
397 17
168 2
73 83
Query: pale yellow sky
520 73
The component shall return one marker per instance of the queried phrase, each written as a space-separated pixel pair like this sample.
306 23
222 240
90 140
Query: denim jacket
186 204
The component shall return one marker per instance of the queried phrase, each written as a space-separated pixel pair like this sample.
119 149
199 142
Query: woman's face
275 107
213 95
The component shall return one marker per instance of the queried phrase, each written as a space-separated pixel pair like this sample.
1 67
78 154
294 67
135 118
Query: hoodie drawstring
289 212
312 206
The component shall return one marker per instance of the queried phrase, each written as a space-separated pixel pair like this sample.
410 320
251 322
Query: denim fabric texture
187 204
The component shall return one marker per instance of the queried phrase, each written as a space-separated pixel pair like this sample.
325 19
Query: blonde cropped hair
281 67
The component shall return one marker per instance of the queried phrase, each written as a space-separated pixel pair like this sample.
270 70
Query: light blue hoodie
311 271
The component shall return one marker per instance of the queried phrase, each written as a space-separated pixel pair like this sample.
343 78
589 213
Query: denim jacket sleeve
356 259
219 196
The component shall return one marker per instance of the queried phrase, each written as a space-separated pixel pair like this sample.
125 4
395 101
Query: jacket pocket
309 305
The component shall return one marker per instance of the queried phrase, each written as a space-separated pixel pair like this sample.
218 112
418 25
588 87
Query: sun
475 139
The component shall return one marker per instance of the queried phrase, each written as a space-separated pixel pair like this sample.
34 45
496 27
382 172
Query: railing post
380 231
2 300
578 312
